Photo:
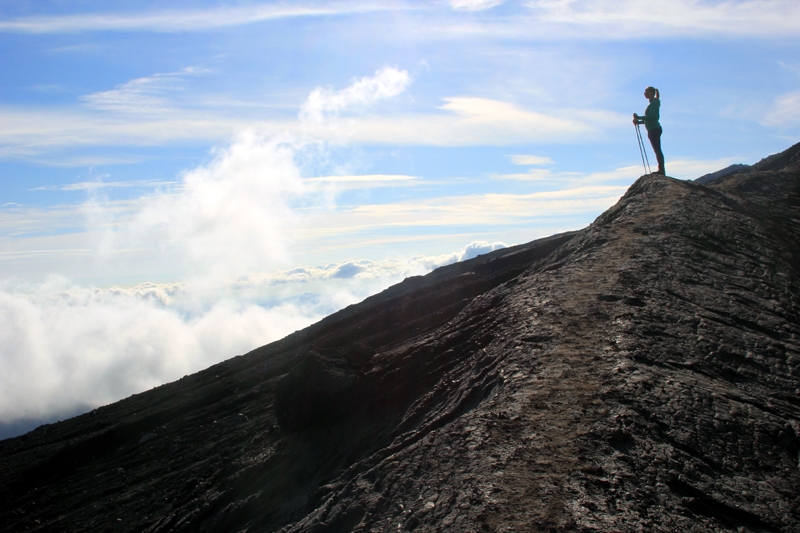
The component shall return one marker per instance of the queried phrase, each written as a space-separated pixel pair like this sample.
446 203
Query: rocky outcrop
642 374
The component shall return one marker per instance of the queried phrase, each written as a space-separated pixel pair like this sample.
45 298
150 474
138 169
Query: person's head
650 93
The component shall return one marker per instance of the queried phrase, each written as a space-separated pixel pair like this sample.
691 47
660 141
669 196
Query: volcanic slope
642 374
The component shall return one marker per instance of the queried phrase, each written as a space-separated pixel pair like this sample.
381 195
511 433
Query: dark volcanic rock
317 392
642 374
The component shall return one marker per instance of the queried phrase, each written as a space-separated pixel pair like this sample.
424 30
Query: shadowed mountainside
642 374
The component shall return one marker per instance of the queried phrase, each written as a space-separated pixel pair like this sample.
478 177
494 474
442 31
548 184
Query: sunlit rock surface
642 374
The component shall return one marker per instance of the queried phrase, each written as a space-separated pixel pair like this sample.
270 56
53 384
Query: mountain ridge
641 373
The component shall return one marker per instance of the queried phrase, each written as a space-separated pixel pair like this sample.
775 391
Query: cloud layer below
66 348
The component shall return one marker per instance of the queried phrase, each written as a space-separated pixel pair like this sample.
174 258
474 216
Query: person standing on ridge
650 121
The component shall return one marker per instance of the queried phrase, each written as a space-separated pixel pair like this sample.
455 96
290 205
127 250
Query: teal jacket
651 114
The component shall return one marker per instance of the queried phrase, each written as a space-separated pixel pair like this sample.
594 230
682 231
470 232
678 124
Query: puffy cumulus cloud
476 248
234 214
65 347
474 5
326 102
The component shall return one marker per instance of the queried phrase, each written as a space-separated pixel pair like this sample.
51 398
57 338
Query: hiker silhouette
650 121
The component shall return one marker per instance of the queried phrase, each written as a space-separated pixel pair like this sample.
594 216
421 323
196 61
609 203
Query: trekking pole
643 151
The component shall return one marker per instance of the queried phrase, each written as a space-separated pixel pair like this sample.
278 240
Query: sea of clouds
66 348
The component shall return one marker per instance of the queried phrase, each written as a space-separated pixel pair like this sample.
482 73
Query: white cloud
86 161
785 111
471 210
249 209
562 19
94 185
364 181
625 19
325 102
28 133
140 112
479 248
474 5
232 215
146 112
191 20
142 95
460 121
534 174
366 269
64 347
491 113
530 160
469 121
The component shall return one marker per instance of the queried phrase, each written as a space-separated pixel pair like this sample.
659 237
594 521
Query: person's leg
655 140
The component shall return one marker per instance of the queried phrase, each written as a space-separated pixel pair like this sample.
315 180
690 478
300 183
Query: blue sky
257 165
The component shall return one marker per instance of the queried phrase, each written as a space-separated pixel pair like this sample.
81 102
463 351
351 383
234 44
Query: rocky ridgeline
642 374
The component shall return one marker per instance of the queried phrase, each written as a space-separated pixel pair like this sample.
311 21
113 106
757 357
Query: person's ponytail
657 93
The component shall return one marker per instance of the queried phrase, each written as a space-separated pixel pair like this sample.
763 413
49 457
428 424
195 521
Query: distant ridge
786 160
706 178
641 374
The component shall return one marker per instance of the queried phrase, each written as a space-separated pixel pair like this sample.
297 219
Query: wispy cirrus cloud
474 5
530 160
95 185
785 111
593 19
144 112
626 19
34 131
143 95
467 120
169 21
365 181
471 210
